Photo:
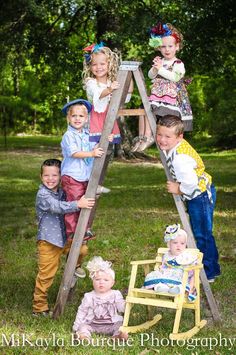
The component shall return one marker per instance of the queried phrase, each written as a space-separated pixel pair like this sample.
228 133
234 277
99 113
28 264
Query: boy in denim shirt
51 206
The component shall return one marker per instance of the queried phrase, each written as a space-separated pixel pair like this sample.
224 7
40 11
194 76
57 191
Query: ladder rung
131 112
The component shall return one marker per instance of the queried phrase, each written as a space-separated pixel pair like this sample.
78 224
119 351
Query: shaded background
41 57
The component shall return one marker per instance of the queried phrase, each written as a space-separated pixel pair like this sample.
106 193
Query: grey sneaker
42 314
102 190
89 235
79 272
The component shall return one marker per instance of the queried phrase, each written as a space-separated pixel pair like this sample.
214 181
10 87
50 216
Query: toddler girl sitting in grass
100 308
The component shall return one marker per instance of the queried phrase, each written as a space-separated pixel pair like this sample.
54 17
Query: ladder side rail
152 121
123 78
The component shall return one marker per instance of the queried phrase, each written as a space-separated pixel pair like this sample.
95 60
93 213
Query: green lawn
129 225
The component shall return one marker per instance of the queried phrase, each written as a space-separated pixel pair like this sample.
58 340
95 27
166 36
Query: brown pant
48 262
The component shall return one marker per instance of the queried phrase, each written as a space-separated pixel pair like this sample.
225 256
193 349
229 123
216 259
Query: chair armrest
143 262
194 267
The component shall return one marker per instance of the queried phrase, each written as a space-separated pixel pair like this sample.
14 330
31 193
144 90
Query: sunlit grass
129 225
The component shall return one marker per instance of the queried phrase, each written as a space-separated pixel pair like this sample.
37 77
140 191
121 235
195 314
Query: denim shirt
72 142
50 209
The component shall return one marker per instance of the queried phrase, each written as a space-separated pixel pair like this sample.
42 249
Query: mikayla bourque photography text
16 340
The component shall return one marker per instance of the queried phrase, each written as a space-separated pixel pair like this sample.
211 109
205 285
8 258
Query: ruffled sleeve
186 258
119 301
94 90
83 315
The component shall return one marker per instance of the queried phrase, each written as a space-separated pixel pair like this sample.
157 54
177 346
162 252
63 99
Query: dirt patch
140 162
139 159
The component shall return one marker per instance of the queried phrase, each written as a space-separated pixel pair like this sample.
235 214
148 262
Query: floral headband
93 48
171 232
98 264
158 32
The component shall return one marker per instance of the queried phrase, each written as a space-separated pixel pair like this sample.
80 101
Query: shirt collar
46 188
166 61
172 150
83 131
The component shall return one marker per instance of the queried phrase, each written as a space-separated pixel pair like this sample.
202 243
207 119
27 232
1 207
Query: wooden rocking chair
151 298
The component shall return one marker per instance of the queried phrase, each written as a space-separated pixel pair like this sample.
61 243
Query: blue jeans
200 211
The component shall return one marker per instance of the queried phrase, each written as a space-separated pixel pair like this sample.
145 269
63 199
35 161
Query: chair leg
177 320
197 311
150 312
199 324
128 307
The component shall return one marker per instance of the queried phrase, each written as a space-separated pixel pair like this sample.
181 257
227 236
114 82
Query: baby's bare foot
121 335
81 336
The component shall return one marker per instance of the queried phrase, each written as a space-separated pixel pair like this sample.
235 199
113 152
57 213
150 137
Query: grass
129 225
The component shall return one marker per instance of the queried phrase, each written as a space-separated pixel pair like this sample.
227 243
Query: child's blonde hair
80 105
70 109
113 64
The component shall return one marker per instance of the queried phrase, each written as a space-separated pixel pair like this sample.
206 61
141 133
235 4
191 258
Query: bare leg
147 128
142 125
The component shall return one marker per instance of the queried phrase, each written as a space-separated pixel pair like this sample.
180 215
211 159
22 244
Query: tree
45 39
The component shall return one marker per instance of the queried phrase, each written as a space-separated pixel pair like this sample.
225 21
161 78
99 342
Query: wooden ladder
127 70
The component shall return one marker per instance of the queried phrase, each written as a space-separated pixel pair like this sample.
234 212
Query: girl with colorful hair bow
100 309
168 92
99 78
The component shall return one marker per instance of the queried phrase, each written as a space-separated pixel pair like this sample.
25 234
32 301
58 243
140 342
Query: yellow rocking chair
151 298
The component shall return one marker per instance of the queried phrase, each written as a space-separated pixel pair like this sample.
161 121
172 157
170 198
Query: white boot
161 288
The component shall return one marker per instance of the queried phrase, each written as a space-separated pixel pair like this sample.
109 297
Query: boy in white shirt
194 184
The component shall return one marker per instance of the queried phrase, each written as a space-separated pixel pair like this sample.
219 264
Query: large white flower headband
98 264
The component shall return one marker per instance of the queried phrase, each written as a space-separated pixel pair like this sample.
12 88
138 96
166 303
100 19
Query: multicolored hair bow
171 232
157 33
93 48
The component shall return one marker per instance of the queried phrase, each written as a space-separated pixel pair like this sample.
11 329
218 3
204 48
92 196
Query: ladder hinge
127 65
